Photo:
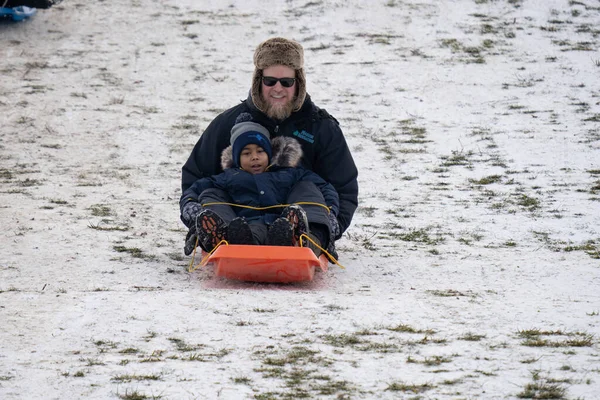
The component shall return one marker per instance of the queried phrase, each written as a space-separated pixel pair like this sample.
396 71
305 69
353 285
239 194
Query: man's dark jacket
323 144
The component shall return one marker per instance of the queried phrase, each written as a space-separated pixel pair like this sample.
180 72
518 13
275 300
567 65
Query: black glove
190 212
332 252
190 240
334 227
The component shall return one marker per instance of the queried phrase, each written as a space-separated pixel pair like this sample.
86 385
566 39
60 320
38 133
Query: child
257 173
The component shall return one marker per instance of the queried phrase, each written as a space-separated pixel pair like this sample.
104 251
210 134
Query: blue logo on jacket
304 136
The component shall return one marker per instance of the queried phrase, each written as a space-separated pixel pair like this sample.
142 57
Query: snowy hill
473 261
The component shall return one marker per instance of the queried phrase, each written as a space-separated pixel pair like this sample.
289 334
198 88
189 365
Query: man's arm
335 164
205 159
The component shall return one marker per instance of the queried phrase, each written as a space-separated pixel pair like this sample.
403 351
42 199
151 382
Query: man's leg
318 218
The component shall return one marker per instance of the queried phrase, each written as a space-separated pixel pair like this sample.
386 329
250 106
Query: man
279 102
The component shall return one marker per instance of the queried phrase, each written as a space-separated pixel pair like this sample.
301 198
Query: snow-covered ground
472 264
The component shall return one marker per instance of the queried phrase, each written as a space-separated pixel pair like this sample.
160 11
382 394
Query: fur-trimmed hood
287 152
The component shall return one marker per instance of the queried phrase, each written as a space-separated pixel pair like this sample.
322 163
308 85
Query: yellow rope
304 235
309 203
204 261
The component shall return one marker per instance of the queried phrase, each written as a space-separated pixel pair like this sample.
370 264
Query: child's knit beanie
245 133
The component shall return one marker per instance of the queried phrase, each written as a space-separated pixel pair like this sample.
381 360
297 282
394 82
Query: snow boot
297 217
281 233
211 229
239 232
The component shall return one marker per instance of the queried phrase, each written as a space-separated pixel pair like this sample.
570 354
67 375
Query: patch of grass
472 337
129 350
535 338
409 329
154 357
296 355
413 388
342 340
242 380
6 174
90 362
591 248
429 361
593 118
542 390
133 251
29 182
332 387
135 395
534 332
457 158
364 240
107 228
531 203
100 210
106 344
182 346
450 293
420 235
36 65
529 360
129 378
488 180
368 212
264 310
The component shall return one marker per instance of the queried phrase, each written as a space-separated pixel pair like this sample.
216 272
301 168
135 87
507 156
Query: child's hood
287 152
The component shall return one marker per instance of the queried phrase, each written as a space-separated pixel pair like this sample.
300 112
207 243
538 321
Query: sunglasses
271 81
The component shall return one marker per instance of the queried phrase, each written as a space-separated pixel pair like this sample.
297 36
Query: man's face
279 99
254 159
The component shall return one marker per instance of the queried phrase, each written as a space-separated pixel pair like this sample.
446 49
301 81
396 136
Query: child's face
254 159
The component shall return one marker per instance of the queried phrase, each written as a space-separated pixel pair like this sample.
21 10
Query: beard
279 112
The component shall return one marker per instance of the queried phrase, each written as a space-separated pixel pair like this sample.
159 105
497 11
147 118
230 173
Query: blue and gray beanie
245 133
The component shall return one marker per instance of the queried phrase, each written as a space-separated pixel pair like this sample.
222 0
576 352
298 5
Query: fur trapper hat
279 51
287 152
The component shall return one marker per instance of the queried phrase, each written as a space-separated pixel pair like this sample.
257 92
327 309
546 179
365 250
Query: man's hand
334 226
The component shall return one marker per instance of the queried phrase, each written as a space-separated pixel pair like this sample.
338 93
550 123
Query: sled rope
332 258
204 261
309 203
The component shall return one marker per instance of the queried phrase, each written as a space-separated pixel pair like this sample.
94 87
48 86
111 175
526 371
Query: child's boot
281 233
297 217
210 228
239 232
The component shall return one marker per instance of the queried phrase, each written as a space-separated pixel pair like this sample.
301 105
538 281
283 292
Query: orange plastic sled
266 263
